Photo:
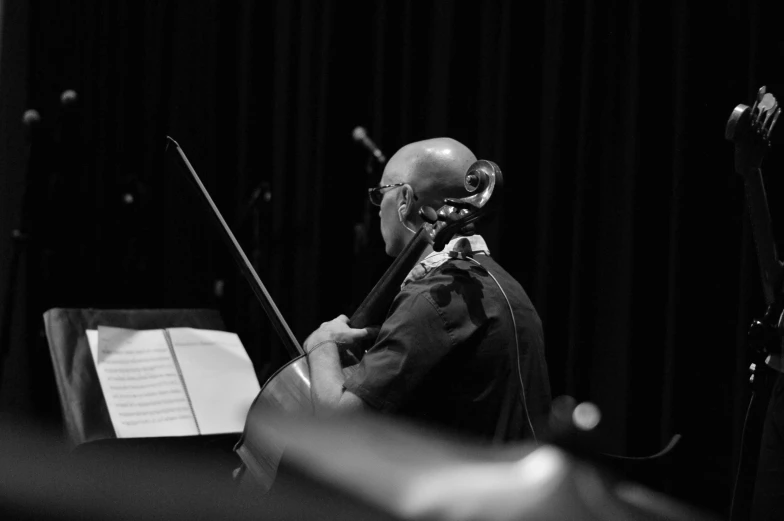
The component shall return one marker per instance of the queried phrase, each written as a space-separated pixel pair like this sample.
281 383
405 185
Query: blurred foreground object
147 479
40 479
415 473
360 467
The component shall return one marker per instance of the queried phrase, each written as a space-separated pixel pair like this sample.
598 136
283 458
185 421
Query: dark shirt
447 354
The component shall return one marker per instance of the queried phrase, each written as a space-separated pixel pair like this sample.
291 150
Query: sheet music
141 384
219 376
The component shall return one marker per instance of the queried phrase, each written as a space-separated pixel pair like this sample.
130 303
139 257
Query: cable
671 445
740 456
517 348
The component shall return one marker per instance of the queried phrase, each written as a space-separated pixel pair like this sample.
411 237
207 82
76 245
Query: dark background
623 218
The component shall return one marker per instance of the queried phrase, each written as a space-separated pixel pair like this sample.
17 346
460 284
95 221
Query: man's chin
392 251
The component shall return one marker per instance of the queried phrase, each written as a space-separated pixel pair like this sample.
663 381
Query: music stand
85 414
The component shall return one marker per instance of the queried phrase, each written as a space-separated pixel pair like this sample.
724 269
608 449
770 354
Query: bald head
435 169
428 172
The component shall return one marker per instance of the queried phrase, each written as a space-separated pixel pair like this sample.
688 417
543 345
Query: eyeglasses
376 195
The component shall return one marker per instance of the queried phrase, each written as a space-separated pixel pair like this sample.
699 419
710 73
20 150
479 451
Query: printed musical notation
142 385
173 382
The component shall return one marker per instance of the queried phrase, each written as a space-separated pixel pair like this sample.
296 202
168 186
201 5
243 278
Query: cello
749 128
288 389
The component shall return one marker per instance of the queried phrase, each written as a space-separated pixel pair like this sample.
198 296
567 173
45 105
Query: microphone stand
362 228
362 275
256 210
252 211
20 235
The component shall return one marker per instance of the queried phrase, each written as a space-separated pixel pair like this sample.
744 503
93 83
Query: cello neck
373 309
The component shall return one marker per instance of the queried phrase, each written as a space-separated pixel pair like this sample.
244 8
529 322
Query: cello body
288 389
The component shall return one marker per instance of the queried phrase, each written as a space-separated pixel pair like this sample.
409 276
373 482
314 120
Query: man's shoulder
481 277
451 271
454 278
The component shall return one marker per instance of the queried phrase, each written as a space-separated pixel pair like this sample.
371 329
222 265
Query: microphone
360 135
68 97
31 122
31 117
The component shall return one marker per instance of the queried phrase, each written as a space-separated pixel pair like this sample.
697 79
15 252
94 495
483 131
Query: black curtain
623 218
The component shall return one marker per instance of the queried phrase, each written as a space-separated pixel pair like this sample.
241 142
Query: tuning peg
757 109
460 204
428 214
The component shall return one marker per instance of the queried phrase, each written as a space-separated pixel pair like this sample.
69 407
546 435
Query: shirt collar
455 248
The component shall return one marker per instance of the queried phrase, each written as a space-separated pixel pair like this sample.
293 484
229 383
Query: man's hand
337 331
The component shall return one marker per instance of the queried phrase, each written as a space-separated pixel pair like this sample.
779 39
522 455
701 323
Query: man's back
451 355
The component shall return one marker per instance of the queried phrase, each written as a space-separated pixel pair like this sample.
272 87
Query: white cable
517 349
740 457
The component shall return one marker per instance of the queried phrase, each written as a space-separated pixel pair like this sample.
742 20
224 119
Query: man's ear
406 200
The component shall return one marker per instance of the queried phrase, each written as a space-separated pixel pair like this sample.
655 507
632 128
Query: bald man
462 346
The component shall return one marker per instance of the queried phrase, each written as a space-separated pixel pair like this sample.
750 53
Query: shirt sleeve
413 339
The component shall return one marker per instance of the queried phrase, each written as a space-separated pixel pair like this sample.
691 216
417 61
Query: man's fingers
359 333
